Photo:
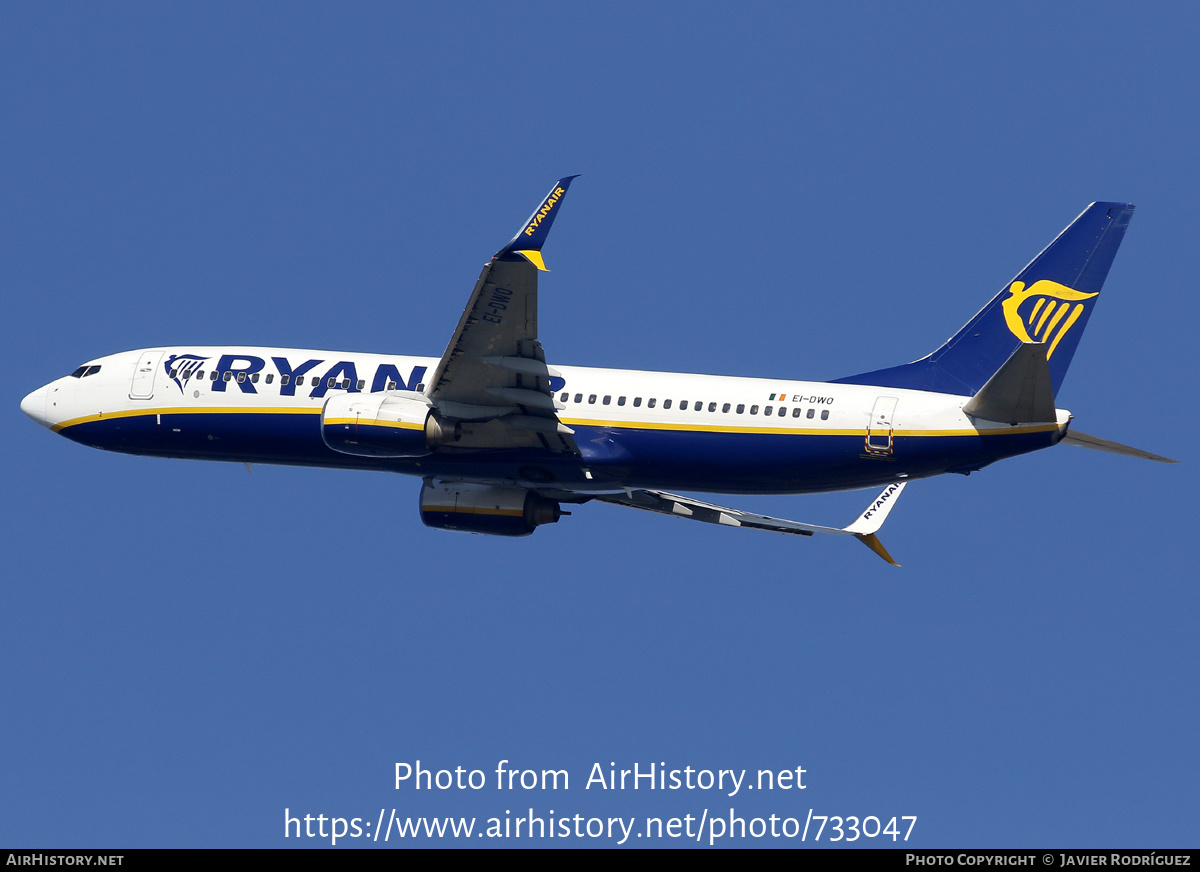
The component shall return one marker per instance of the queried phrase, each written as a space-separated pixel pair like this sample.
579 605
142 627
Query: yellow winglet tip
872 542
535 258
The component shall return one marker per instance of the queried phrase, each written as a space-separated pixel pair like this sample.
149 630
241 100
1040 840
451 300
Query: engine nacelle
392 424
481 508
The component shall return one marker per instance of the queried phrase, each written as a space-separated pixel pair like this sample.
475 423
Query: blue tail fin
1049 301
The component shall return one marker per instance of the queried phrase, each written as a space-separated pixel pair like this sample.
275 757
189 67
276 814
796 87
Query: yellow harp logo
1052 310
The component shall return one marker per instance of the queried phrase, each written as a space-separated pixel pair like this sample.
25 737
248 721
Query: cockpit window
85 370
91 370
79 372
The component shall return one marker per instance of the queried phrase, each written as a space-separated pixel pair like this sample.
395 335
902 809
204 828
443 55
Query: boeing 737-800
502 439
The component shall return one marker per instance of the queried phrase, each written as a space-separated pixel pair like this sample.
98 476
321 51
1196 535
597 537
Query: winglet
872 519
532 236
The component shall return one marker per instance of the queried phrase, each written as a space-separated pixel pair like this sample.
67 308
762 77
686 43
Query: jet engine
393 424
481 508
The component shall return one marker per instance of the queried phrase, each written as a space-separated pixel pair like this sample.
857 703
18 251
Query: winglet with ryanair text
532 236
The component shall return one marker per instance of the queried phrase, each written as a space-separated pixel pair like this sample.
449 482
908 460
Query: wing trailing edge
863 528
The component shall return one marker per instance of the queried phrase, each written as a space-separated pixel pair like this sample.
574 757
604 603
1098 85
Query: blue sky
793 190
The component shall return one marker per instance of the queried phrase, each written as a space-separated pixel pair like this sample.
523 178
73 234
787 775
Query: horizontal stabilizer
1083 440
676 506
1020 392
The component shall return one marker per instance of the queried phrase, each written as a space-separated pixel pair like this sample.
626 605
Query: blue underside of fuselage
747 463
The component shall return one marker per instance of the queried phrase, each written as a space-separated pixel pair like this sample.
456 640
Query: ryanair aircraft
502 439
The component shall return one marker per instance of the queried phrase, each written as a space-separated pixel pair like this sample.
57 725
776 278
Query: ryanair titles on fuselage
320 374
241 368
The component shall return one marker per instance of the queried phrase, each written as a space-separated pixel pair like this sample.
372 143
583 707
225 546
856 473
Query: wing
863 528
493 373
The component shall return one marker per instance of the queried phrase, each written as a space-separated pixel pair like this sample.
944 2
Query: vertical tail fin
1049 301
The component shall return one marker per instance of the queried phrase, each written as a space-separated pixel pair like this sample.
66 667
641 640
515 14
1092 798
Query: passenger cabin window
270 377
241 378
637 401
607 399
812 413
725 408
796 412
741 408
768 411
782 412
579 398
666 404
299 379
227 375
650 403
824 414
254 379
362 383
421 388
591 399
682 405
712 407
754 410
563 397
212 376
284 379
391 385
620 401
200 375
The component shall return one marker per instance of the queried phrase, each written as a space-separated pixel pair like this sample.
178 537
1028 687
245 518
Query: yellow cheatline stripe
373 422
587 422
784 431
702 428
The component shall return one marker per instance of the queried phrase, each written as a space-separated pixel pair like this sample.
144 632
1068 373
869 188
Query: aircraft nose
34 406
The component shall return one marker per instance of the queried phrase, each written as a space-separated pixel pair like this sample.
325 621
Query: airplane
502 439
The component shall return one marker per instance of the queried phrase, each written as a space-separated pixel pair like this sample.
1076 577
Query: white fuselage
634 428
